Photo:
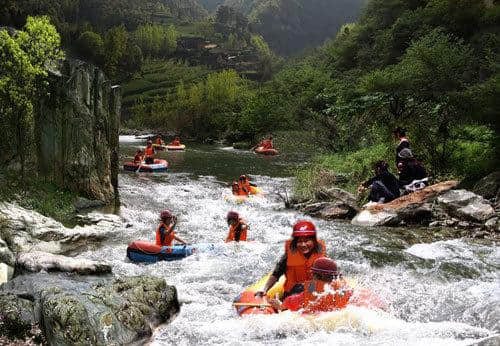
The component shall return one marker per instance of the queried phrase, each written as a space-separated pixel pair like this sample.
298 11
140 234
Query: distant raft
263 151
160 147
175 147
158 166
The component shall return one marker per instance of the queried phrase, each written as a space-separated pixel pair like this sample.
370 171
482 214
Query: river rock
413 208
26 231
493 224
37 261
94 311
85 203
466 205
6 273
489 186
6 256
334 203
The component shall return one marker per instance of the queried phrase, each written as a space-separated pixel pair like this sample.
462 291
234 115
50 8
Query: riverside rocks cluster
438 205
61 299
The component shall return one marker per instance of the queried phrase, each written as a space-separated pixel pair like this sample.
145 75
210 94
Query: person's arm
180 240
279 270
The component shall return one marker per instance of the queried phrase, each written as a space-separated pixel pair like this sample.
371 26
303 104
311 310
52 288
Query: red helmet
232 215
324 265
166 214
303 229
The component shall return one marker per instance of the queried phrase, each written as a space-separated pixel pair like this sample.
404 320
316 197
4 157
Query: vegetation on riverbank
38 194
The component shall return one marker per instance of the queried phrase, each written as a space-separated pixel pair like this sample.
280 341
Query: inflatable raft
160 147
262 151
142 251
175 147
246 303
157 166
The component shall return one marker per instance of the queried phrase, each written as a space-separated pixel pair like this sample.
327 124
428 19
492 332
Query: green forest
347 71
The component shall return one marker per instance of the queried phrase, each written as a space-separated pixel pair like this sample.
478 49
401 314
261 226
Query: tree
91 46
25 57
115 46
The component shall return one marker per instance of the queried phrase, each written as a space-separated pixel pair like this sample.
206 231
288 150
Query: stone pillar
76 130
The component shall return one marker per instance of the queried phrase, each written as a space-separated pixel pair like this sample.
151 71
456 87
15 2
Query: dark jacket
411 170
388 179
402 145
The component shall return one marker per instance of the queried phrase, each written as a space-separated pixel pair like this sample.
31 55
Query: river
440 291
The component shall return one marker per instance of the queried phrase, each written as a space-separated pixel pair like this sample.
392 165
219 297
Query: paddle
253 304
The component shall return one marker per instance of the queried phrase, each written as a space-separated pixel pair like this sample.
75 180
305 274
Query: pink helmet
324 265
166 214
232 215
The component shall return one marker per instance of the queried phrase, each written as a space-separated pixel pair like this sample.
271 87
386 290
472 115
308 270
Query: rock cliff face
76 131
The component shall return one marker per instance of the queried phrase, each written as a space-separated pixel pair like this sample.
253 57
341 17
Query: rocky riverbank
48 295
436 206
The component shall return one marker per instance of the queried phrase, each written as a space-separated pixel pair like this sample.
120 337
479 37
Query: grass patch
38 194
345 170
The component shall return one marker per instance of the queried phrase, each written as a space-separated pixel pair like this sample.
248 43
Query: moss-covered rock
93 311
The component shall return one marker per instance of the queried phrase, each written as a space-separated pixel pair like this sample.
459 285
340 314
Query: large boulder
76 131
466 205
413 208
26 231
489 186
330 203
71 311
37 261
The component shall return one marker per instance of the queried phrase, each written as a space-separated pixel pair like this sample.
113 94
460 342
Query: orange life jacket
168 239
159 141
267 144
244 186
137 158
298 266
176 143
232 232
149 152
317 300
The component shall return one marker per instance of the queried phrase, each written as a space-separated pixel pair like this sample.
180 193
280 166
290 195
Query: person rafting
149 153
165 234
300 253
327 291
237 191
412 174
138 158
176 142
237 227
245 185
159 140
400 135
384 186
265 143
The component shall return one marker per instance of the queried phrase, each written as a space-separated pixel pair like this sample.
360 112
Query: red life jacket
168 239
232 231
149 152
298 266
175 143
159 141
267 144
317 300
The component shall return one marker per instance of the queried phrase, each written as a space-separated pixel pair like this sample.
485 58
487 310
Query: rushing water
439 291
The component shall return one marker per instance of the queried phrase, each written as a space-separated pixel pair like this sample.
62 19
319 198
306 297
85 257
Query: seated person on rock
176 142
165 234
159 141
300 253
138 157
327 291
245 185
412 174
384 186
237 191
149 153
237 227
